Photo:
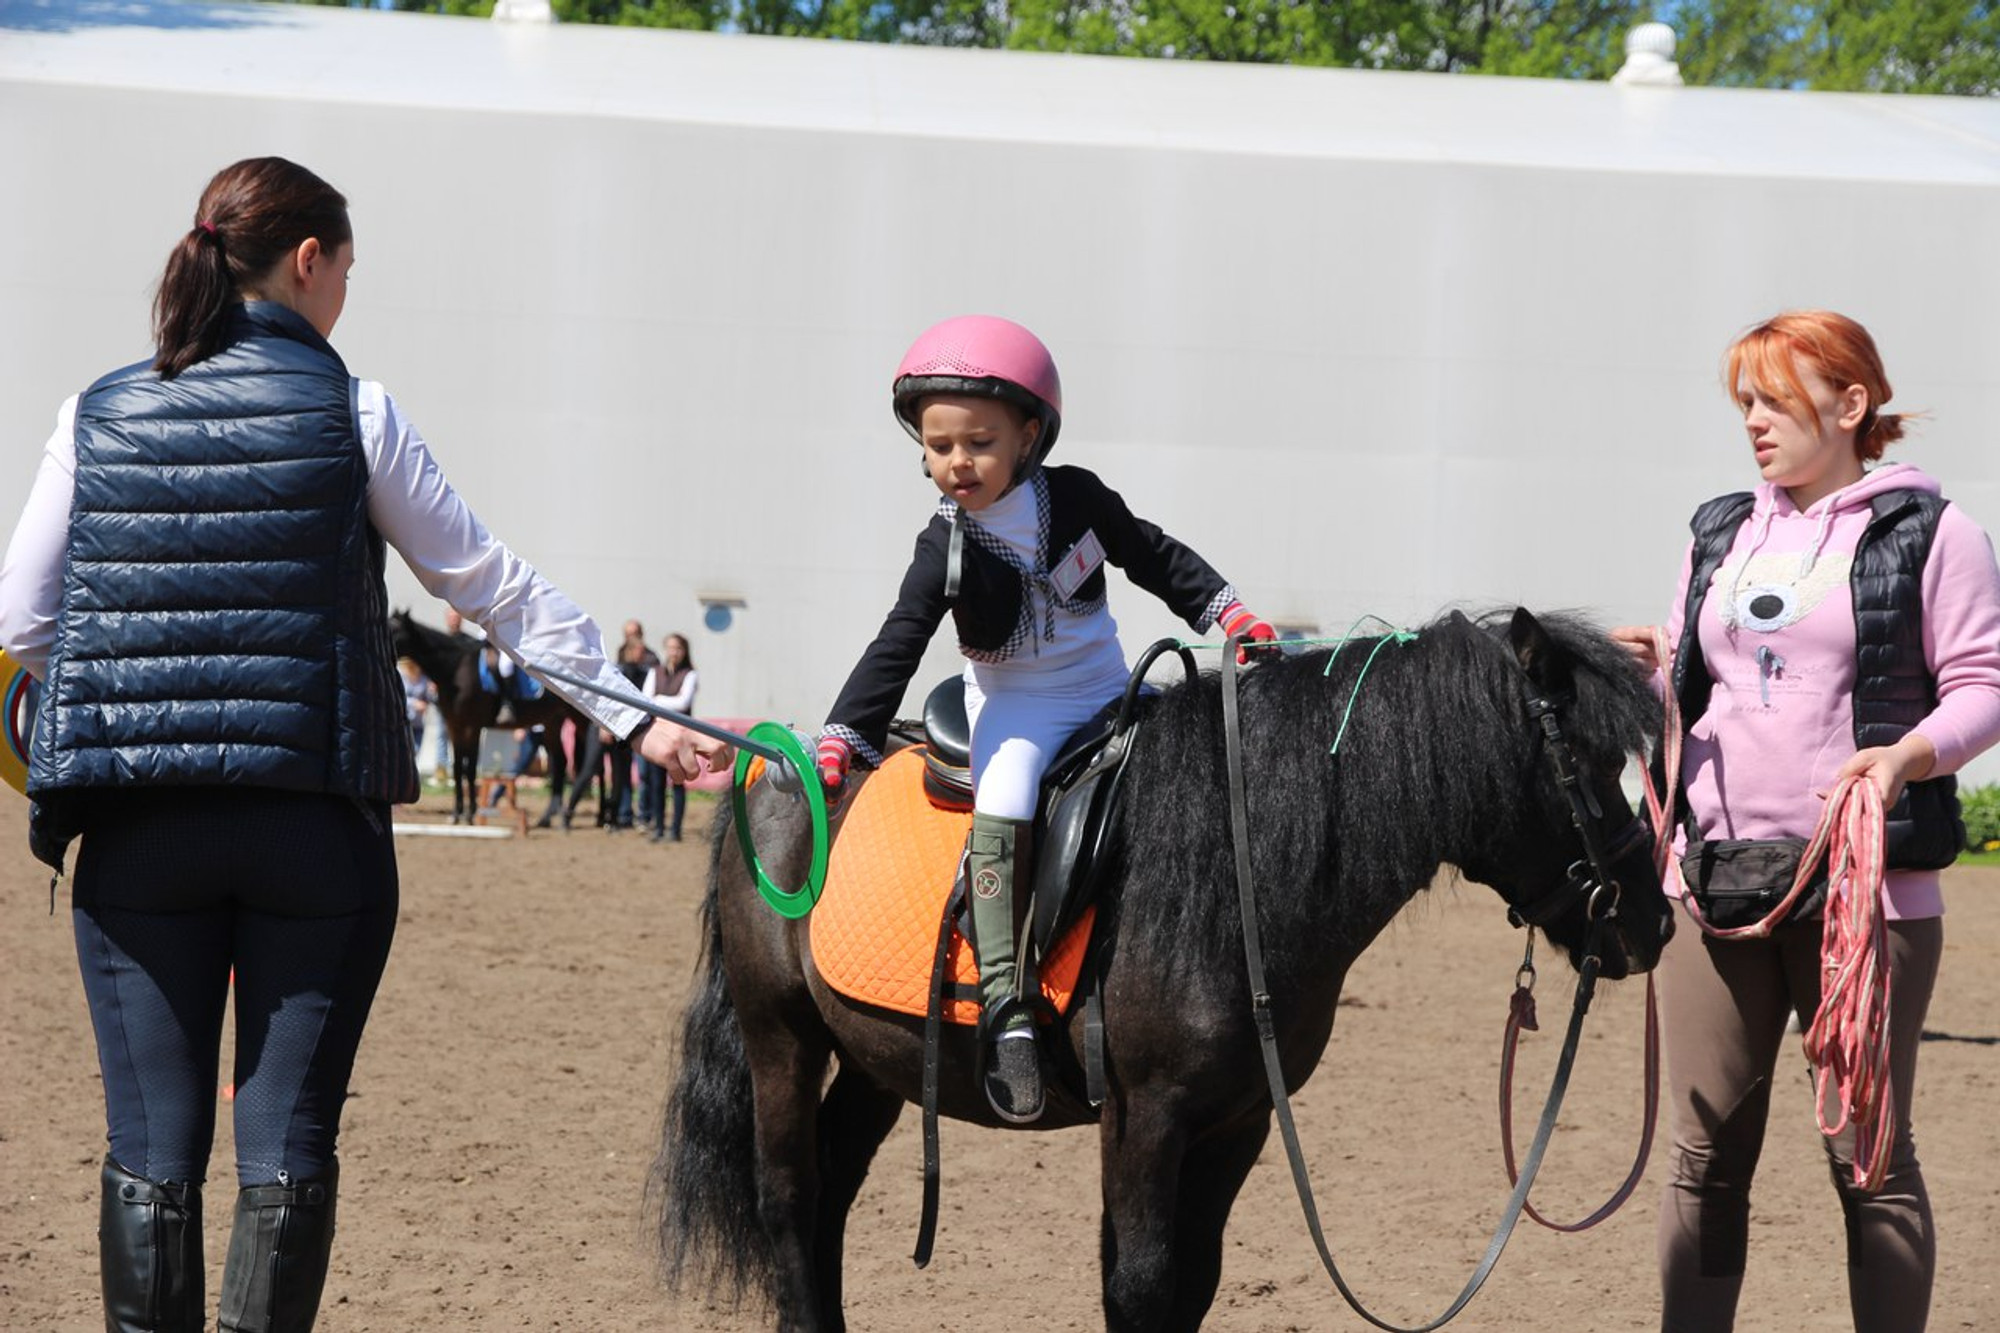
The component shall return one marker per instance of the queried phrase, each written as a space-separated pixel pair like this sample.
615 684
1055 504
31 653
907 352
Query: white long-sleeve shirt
682 700
411 505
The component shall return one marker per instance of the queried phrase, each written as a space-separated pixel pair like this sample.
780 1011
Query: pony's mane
1436 745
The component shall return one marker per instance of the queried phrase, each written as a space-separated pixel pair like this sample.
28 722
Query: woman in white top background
672 683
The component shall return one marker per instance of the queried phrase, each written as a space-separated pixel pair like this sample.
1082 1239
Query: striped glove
1258 637
833 758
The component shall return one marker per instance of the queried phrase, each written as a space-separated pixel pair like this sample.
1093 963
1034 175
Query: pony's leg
1142 1148
1211 1175
786 1075
856 1116
465 787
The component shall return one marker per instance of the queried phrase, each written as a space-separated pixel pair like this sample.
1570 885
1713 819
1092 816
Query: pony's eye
1767 606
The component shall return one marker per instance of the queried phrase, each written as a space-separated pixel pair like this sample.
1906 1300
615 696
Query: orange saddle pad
874 932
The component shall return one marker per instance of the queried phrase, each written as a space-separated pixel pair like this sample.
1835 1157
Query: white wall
655 353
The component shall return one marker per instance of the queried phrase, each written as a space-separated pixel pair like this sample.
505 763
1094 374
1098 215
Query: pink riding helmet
986 355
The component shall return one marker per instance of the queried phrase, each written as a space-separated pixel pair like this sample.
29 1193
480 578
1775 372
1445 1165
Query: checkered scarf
1036 586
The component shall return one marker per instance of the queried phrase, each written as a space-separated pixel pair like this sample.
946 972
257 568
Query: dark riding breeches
175 888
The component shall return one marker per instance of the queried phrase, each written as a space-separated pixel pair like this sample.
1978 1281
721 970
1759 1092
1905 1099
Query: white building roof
338 55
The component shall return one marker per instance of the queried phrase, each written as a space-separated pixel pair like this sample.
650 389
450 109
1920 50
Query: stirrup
1011 1069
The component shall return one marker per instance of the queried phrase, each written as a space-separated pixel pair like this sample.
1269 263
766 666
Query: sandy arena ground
507 1101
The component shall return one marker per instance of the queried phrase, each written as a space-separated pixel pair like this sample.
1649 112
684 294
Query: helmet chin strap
1031 459
1026 470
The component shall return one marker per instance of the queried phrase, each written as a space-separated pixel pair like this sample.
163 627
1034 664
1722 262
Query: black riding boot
149 1252
278 1252
1013 1075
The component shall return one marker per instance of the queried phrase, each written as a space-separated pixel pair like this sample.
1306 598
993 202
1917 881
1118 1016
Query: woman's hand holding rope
1889 767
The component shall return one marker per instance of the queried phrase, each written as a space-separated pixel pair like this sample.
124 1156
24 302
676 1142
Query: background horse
468 708
1439 763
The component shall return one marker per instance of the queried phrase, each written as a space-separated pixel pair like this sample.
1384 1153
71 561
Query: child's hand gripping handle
833 757
1258 638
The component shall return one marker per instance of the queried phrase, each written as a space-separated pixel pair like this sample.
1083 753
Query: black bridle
1589 880
1601 893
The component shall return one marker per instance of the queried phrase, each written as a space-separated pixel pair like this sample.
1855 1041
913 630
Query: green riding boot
1013 1069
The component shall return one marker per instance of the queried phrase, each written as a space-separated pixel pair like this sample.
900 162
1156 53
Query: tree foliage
1905 46
1914 46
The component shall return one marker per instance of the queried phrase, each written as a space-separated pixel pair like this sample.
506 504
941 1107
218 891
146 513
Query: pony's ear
1547 663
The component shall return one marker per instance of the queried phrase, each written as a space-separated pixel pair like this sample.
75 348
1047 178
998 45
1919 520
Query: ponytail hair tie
207 226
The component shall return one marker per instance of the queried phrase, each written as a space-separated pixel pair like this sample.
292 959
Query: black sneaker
1014 1079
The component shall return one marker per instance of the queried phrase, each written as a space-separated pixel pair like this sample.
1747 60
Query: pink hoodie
1777 629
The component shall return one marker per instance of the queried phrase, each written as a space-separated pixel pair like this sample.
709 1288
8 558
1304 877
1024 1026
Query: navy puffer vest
1893 687
224 619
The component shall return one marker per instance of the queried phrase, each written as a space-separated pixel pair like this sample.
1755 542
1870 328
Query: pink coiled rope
1848 1041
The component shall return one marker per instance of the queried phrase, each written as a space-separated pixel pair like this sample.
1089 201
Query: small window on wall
1294 636
719 613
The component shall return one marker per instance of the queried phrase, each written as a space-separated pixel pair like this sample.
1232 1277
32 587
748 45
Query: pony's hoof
1014 1080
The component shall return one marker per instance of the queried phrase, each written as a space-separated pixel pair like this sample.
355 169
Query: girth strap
1260 1001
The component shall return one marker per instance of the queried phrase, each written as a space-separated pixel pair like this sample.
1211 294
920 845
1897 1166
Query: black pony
468 708
1439 762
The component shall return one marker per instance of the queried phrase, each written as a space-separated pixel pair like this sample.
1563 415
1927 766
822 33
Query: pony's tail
703 1183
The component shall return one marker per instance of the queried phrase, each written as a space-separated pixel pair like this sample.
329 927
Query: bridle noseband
1589 879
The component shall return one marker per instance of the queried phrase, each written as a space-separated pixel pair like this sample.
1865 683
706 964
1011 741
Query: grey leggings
1724 1008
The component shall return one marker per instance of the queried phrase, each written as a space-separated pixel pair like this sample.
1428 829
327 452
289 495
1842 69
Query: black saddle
1080 790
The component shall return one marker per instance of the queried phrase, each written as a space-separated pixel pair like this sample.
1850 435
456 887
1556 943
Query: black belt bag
1736 882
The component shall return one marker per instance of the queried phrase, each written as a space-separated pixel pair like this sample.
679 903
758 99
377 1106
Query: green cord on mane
1395 635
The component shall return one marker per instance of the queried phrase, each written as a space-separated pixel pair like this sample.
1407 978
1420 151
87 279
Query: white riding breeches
1017 732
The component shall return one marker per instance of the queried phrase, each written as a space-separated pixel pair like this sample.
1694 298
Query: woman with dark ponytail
197 580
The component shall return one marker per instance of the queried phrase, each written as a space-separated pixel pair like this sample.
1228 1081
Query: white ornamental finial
1649 58
523 11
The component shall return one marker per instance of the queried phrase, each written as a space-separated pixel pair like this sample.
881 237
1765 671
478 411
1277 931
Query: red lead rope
1848 1042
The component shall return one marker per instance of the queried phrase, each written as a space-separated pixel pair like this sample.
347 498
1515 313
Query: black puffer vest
224 619
1893 688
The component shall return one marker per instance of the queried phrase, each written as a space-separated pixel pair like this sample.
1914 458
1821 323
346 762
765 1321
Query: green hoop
789 903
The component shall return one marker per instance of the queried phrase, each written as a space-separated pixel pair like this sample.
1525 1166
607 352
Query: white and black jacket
1003 610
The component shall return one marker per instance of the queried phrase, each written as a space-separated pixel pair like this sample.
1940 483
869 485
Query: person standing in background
672 684
418 696
635 661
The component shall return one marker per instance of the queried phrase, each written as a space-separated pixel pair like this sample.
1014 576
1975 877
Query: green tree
1929 46
1902 46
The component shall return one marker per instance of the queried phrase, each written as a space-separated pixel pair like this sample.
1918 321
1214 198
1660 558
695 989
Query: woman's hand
1641 641
685 754
1889 767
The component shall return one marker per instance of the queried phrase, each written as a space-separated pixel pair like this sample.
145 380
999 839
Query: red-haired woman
1842 619
198 581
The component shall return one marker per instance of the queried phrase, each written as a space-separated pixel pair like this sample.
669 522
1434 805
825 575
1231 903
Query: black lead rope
933 1035
1260 1001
